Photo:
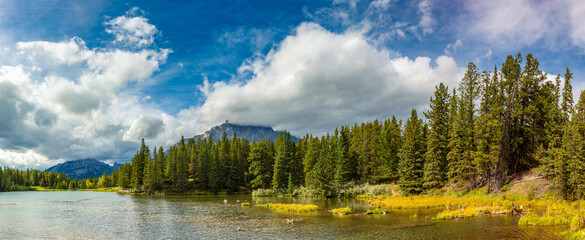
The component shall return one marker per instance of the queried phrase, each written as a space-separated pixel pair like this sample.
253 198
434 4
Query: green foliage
436 154
411 157
345 166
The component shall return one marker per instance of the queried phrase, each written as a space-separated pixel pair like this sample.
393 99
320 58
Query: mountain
251 133
83 168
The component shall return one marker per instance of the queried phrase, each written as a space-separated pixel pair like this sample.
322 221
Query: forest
493 125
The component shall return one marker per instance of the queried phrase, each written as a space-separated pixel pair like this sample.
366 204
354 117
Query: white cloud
514 24
316 80
132 30
382 4
452 47
63 100
426 22
351 3
144 127
577 18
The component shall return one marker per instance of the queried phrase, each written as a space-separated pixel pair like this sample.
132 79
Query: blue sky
90 79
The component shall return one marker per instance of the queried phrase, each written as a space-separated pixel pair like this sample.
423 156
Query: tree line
21 180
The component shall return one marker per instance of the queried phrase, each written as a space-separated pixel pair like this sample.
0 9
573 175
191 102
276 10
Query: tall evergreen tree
261 162
345 167
411 157
437 140
138 163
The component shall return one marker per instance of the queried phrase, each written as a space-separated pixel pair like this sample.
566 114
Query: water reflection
89 215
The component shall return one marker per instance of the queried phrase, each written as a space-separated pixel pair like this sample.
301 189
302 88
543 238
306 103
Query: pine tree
261 162
411 158
320 176
284 158
313 151
436 155
391 143
488 131
345 167
138 163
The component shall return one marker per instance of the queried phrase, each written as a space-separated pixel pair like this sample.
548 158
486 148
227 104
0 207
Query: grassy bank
346 190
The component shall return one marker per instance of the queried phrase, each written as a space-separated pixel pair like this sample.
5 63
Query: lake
106 215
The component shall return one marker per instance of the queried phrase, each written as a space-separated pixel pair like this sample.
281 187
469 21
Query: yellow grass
423 202
556 214
297 208
342 211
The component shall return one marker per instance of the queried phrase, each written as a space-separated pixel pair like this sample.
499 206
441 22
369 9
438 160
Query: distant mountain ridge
83 168
251 133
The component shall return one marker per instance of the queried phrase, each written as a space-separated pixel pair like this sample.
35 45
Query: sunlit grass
297 208
424 202
556 214
470 212
342 211
109 189
42 189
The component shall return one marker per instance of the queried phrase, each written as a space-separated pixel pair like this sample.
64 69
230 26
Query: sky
90 79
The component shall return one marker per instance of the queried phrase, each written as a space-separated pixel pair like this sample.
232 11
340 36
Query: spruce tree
411 158
344 167
261 163
436 154
313 151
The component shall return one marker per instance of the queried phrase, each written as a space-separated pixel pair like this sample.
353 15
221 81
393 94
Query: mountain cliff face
251 133
83 168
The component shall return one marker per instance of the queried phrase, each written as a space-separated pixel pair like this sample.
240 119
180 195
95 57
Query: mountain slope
83 168
251 133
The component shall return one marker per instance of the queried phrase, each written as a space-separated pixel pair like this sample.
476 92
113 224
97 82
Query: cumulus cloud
63 100
144 127
316 80
132 30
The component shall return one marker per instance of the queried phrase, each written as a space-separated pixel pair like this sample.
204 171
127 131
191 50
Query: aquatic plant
377 210
573 235
557 214
342 211
283 207
470 212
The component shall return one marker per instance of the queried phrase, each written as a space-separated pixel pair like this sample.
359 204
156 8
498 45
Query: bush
265 192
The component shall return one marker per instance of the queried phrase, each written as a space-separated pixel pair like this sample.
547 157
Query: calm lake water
104 215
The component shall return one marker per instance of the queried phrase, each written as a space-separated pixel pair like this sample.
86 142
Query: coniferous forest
493 125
